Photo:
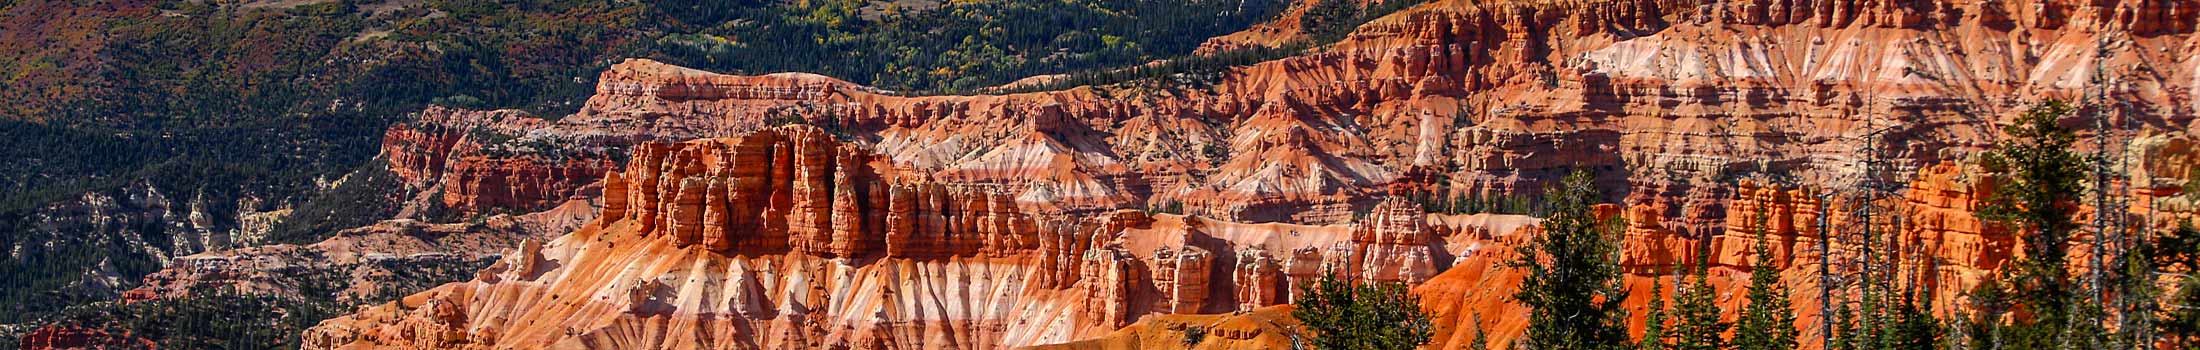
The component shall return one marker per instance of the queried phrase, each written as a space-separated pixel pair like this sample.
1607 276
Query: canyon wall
787 238
1930 232
1669 100
1012 220
464 163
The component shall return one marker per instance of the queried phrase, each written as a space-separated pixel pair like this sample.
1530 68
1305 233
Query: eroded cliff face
470 185
1686 93
2163 170
1002 218
787 238
1929 235
1671 99
463 163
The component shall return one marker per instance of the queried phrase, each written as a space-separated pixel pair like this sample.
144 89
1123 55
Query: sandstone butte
980 222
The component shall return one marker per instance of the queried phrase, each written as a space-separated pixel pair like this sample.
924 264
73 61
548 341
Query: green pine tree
2085 329
1698 310
2179 251
1481 338
1913 328
1768 322
1653 327
1343 315
2040 178
1873 330
2139 297
1845 334
1990 303
1573 285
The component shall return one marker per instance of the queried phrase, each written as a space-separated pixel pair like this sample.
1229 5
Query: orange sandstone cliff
978 222
1673 99
786 238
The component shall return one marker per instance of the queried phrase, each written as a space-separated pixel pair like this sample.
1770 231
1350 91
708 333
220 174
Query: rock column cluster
1181 273
795 189
1107 278
1787 216
1392 245
1259 279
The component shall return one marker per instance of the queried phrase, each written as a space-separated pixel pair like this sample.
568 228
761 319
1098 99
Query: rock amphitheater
683 209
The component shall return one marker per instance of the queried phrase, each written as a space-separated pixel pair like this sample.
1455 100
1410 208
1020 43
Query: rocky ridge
361 263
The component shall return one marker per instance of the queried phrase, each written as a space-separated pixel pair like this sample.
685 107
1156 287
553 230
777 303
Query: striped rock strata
787 239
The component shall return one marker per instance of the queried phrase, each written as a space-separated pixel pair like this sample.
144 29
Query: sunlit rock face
981 222
786 238
1670 100
1930 237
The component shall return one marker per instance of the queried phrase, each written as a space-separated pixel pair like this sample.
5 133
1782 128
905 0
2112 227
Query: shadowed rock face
980 222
